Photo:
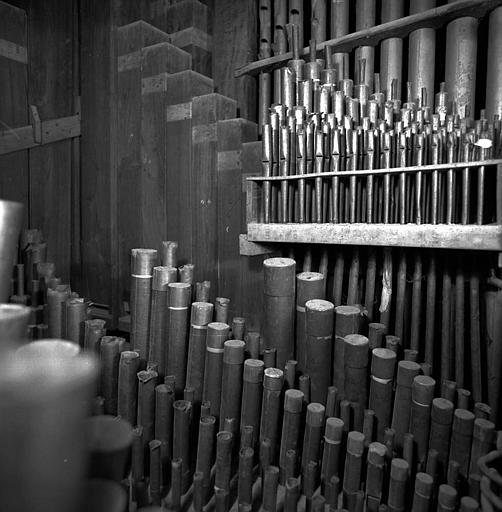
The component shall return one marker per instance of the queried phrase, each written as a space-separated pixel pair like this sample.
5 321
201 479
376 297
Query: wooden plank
14 177
180 89
98 184
235 38
13 51
433 18
199 45
251 266
54 130
231 134
247 248
131 39
207 110
188 23
158 62
440 236
51 91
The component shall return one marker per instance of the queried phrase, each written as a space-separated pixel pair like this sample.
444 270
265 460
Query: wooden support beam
440 236
231 134
14 174
433 18
54 130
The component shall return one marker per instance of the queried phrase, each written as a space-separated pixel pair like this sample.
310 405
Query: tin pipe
332 451
231 383
356 371
314 426
391 50
383 364
169 254
270 484
447 498
201 315
56 299
217 334
365 18
292 494
422 394
161 277
179 300
181 440
164 400
147 380
461 439
127 395
13 325
291 426
399 470
279 307
339 28
421 55
245 481
110 348
252 391
460 61
422 496
483 437
94 330
494 65
406 372
205 453
11 219
353 468
142 263
346 322
271 408
319 329
375 475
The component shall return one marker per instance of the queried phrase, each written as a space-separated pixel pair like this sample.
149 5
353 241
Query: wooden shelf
440 236
433 18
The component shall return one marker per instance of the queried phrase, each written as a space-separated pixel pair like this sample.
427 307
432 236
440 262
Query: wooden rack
433 18
486 237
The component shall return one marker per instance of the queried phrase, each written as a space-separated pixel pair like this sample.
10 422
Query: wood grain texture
251 266
487 237
14 106
165 59
51 91
234 36
231 134
98 54
207 110
180 89
130 40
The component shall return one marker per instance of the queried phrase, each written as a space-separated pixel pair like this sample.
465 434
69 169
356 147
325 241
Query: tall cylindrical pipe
494 66
339 28
421 55
142 263
279 307
45 400
11 218
391 50
365 18
13 325
460 61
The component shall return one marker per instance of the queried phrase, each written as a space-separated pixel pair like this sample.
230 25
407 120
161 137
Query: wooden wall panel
50 58
234 44
14 177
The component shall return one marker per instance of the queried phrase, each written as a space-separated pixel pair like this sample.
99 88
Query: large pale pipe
339 28
365 18
494 74
461 54
422 55
45 400
391 50
13 325
11 218
49 348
